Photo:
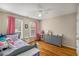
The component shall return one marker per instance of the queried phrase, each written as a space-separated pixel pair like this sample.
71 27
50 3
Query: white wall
77 36
4 23
65 25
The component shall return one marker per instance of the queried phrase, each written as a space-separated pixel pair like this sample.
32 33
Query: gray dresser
53 40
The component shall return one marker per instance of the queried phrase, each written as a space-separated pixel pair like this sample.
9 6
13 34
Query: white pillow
19 43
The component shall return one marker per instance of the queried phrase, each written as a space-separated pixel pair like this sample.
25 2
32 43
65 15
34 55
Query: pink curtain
37 30
11 25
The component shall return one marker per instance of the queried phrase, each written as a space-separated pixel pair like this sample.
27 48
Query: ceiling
31 9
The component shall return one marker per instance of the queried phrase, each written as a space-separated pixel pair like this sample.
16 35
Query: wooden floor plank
52 50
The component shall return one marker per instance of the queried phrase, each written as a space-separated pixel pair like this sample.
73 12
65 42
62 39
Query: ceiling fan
42 11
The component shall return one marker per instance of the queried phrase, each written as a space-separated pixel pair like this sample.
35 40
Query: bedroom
37 20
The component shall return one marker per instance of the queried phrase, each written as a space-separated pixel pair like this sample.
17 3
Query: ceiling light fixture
40 15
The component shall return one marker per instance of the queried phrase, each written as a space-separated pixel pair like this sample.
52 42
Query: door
19 27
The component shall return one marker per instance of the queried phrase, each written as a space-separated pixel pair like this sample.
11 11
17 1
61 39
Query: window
32 29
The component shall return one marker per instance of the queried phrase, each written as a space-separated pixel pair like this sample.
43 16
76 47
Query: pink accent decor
36 25
11 41
1 43
37 30
11 25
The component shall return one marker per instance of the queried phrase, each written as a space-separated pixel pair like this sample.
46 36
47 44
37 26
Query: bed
20 48
22 51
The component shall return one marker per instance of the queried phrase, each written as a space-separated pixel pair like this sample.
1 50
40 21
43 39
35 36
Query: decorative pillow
3 40
1 43
14 37
11 43
17 44
5 44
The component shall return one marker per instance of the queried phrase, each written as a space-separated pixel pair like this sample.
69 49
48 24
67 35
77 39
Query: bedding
3 40
14 40
32 52
20 43
14 37
20 50
15 46
17 51
20 47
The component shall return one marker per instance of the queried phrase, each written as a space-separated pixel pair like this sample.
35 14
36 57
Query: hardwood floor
52 50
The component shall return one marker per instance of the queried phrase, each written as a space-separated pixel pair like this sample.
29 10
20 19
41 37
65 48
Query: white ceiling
31 9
